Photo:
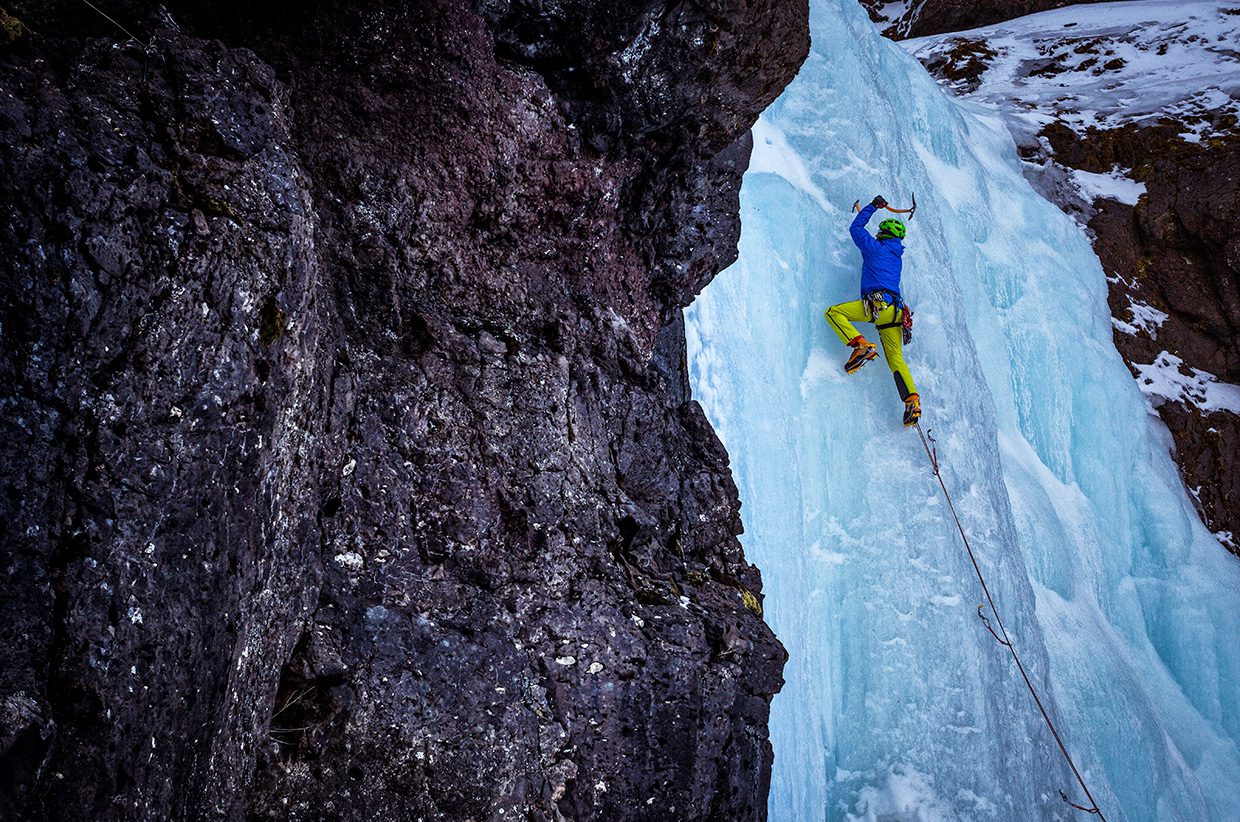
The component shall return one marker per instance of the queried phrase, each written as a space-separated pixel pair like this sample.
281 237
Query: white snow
894 10
1108 64
1169 379
898 703
1114 186
1145 318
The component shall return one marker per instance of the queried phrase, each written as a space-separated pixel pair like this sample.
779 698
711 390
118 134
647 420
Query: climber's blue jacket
881 264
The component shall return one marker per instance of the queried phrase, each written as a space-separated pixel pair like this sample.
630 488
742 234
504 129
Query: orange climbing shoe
912 410
863 352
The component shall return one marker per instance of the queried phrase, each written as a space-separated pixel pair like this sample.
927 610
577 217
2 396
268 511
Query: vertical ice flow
898 703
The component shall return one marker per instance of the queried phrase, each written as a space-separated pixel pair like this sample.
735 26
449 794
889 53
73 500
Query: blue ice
898 704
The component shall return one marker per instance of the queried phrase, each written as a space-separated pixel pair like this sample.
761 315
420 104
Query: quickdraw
1093 810
873 303
986 622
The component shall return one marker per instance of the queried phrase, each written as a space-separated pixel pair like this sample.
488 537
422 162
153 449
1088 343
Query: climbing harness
932 452
875 302
902 319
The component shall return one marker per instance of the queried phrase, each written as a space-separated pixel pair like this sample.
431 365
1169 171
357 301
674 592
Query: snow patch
1168 379
1145 318
1108 64
1114 185
906 794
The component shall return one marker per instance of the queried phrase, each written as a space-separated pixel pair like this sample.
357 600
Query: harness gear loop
1006 640
877 299
871 302
902 318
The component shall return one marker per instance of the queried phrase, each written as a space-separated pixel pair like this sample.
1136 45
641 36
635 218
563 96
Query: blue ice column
898 703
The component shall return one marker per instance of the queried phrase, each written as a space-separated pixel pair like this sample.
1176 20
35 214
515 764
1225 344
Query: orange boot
863 352
912 410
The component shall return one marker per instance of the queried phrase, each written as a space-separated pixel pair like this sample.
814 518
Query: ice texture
1126 611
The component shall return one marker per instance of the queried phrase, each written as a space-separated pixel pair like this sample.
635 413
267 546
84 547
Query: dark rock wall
919 18
1178 250
349 466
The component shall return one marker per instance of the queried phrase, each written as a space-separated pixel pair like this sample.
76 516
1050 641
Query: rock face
1178 252
349 466
918 18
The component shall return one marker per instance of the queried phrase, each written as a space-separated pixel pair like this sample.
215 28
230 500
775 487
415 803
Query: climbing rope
112 20
1005 640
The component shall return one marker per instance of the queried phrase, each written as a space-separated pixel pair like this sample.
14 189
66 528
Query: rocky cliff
349 466
917 18
1177 252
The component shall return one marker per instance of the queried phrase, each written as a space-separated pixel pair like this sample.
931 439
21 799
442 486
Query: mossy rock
10 28
218 207
750 601
272 322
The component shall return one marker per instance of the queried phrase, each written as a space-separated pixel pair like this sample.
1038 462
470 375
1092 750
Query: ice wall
899 704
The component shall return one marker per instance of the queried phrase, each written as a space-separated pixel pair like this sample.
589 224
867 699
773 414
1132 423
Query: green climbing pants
842 316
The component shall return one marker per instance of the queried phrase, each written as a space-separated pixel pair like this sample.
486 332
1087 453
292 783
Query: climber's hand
879 202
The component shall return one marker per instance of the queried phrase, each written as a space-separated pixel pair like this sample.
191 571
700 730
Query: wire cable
112 20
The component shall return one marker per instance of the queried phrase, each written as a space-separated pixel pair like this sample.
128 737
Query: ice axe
909 211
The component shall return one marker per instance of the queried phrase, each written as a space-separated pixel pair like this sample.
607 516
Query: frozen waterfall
898 703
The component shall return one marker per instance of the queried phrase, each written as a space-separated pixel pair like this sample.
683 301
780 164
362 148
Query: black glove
879 202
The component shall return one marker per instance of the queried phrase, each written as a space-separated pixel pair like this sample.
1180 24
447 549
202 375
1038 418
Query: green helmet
892 227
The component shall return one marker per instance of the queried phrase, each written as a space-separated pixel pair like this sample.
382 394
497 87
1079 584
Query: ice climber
880 304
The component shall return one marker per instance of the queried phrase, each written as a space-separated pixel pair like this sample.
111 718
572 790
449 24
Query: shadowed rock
342 477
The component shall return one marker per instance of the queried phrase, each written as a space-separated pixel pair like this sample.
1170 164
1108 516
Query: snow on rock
350 560
1114 186
1145 318
1108 64
1169 379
